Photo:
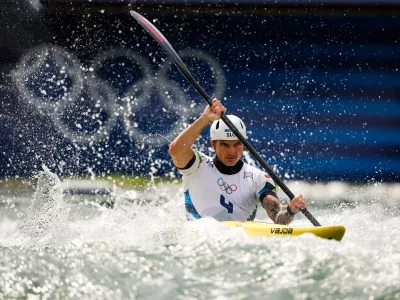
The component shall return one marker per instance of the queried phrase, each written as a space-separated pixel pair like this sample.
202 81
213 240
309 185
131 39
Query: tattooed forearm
276 211
284 217
272 206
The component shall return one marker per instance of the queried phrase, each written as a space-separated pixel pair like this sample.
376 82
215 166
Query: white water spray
47 213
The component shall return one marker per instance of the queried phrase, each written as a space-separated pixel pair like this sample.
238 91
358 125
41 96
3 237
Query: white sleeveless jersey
208 192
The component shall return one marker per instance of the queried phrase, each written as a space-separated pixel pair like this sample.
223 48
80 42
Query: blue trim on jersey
190 207
267 188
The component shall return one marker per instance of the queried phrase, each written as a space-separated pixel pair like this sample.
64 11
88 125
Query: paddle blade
160 38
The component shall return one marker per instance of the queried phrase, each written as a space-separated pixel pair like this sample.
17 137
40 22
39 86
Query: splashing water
146 250
47 213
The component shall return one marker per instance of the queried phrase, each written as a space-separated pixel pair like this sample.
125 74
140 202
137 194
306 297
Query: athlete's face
229 152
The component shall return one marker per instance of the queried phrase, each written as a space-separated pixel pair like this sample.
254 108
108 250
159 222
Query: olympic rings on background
85 106
46 68
225 187
217 73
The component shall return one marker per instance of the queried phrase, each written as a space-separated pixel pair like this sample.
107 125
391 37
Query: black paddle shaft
158 36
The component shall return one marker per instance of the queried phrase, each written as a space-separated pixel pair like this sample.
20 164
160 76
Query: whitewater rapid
147 250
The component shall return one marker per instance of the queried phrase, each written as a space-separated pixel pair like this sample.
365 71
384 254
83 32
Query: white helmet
220 131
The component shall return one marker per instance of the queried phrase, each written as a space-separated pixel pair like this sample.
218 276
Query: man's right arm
181 147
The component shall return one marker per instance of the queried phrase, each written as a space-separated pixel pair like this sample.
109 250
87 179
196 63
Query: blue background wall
84 89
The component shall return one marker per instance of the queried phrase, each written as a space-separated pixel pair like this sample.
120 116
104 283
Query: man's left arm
283 214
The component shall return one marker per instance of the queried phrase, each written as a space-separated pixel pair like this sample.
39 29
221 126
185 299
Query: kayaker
223 186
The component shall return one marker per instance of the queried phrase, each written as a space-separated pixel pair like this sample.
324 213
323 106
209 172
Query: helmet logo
229 133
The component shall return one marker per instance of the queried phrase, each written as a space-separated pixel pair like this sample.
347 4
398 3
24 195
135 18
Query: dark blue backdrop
84 89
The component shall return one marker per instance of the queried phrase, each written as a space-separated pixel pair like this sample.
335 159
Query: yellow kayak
252 228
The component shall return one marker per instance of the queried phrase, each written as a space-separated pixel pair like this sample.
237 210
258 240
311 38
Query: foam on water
148 251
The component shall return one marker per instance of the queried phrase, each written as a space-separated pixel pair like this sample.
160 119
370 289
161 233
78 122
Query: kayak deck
335 232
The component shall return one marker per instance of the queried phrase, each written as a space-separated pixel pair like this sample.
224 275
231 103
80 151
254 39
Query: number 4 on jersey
228 206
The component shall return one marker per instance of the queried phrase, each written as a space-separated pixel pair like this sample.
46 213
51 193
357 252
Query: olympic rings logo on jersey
85 104
225 187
